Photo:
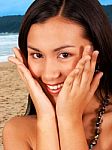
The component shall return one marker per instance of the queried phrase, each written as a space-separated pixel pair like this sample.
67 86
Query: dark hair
87 13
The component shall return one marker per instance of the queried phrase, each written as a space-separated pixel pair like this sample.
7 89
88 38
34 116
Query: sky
18 7
105 2
14 7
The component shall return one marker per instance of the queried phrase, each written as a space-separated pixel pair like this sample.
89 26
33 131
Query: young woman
65 60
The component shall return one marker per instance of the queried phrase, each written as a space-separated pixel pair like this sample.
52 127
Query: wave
5 58
7 42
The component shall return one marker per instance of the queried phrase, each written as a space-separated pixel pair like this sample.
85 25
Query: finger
23 71
93 64
70 79
18 54
87 50
26 75
85 74
29 80
95 83
20 74
30 83
14 60
19 65
34 88
89 71
80 65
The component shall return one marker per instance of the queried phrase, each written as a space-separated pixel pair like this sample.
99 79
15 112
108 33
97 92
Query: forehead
57 24
55 30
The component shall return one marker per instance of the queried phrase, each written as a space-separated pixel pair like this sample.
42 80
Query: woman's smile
54 89
53 59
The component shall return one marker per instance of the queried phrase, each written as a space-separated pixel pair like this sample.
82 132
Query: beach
13 95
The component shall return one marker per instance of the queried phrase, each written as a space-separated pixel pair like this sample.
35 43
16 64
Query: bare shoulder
106 134
108 115
20 133
107 119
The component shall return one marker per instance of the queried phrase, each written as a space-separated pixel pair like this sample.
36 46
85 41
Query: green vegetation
11 24
108 10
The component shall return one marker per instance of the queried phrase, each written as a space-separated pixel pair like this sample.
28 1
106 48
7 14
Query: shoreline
13 95
4 59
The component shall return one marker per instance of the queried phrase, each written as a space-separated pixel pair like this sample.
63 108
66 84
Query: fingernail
9 58
88 48
101 74
97 52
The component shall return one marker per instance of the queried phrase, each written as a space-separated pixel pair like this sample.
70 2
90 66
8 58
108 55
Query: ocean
7 42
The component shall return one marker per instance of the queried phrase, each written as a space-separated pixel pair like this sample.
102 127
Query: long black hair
87 13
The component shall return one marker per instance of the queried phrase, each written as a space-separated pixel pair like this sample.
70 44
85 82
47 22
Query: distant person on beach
65 61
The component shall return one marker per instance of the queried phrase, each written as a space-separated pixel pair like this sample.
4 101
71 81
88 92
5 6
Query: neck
92 106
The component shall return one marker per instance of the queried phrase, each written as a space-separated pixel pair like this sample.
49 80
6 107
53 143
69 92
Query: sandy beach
13 95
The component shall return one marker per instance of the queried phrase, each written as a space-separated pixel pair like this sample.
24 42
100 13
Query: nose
51 72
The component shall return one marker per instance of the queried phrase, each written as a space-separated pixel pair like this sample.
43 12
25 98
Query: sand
13 95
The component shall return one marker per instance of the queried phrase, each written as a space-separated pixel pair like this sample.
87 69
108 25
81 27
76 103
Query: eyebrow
55 50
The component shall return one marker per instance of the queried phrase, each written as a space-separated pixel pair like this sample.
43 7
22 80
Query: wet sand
13 95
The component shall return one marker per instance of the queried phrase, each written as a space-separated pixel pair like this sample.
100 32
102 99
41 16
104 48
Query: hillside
108 10
11 24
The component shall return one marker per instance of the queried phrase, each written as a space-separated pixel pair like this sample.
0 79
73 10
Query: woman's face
54 48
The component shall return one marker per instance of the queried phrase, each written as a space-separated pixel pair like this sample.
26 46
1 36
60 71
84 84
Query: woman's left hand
79 87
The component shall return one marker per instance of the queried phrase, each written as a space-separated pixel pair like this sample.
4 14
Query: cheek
72 64
35 69
69 67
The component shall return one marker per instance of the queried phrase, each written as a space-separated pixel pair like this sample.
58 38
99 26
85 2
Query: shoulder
19 131
108 116
106 134
107 119
20 123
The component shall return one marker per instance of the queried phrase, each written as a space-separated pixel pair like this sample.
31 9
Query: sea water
7 42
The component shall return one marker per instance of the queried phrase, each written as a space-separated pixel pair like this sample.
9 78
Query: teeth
55 87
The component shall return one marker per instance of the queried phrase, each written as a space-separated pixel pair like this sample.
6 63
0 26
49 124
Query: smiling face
54 48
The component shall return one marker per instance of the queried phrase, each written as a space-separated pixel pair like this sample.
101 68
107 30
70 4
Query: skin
73 107
55 32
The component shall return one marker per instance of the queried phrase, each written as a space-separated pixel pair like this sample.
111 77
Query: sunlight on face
54 48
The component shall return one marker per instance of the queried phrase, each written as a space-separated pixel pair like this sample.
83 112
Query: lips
54 89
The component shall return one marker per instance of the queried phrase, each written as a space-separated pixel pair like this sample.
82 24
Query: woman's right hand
42 104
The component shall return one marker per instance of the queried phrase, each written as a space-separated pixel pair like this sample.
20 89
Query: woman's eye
37 55
64 55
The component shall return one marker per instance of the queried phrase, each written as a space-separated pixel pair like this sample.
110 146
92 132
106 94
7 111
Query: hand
79 87
41 102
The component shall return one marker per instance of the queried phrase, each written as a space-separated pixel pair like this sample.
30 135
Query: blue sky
18 7
105 2
14 7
